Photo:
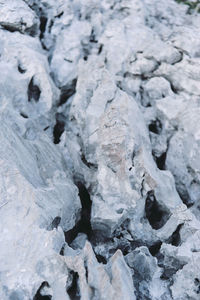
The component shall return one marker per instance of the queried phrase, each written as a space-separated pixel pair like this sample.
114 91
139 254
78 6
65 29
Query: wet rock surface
99 150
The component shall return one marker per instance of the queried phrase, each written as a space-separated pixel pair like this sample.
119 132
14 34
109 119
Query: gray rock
36 196
115 84
17 16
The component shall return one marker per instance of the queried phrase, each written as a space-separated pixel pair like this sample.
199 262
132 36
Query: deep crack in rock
59 127
38 295
33 91
84 224
155 214
73 290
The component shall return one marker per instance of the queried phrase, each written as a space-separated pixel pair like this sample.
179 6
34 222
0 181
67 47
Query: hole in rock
198 290
21 70
92 37
9 27
33 91
60 14
43 23
100 48
59 127
24 115
38 295
88 164
175 239
55 222
160 161
62 250
155 126
197 284
83 224
155 214
67 91
173 88
155 248
101 259
73 289
196 281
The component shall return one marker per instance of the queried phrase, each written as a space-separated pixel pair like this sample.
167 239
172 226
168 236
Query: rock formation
99 150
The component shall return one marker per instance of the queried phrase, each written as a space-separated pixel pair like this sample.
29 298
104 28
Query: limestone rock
112 210
17 16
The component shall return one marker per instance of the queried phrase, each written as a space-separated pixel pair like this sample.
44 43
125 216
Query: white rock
17 16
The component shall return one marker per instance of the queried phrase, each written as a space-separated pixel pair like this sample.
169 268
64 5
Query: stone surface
17 16
99 145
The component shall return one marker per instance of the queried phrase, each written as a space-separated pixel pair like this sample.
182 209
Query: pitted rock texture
99 150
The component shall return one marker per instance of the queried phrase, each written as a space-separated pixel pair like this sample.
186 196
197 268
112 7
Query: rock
36 199
99 114
183 146
142 262
17 16
112 281
79 241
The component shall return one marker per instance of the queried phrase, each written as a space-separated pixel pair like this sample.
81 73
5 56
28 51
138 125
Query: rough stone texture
17 16
99 116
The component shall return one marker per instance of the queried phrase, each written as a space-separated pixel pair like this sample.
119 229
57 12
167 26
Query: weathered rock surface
99 150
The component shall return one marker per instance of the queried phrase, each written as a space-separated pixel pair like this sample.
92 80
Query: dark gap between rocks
93 37
85 57
100 49
60 15
59 127
21 69
173 88
73 289
83 224
9 27
38 296
62 250
197 285
67 91
175 238
155 126
88 164
155 248
43 23
101 259
24 115
160 161
33 91
155 214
